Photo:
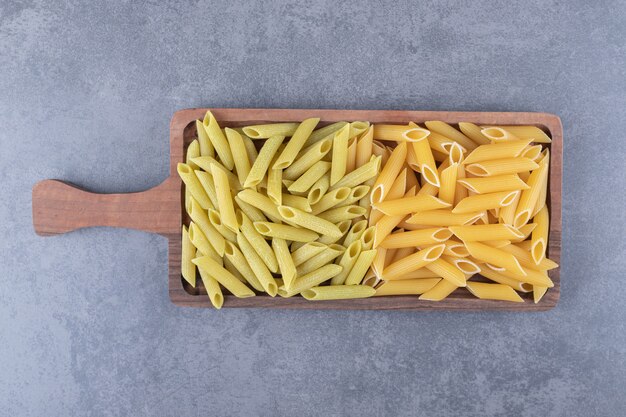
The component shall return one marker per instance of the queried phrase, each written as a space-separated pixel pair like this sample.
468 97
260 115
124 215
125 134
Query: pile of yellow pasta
339 212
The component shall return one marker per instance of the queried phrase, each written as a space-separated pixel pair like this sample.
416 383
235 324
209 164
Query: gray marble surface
86 93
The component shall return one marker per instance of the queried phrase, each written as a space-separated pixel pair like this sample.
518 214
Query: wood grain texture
59 208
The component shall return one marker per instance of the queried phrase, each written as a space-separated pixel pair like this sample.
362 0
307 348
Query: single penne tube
481 202
213 289
343 227
540 235
524 257
216 220
448 131
193 151
258 266
497 277
526 231
262 203
538 292
318 190
411 159
443 217
306 252
411 179
473 132
465 265
532 152
485 232
441 144
389 173
309 221
455 248
439 291
408 205
428 189
460 191
296 143
364 147
188 253
192 183
252 212
355 232
455 154
400 254
529 197
199 240
421 273
357 128
310 177
308 158
497 134
325 132
448 183
399 133
206 163
275 186
378 264
331 199
263 161
496 257
361 174
218 140
325 257
298 202
283 231
339 154
424 237
238 260
543 188
498 150
367 238
312 279
413 262
206 147
424 156
230 267
532 276
238 149
206 180
251 150
339 214
493 292
448 271
525 245
498 183
396 191
201 218
362 264
269 130
258 242
501 166
506 214
224 198
285 262
528 132
223 276
406 287
496 243
356 195
338 292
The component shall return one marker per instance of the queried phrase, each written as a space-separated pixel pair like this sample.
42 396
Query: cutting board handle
60 207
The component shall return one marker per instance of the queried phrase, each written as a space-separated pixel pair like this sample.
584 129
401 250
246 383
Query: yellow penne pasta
296 143
216 220
413 262
223 276
525 230
501 166
343 227
275 186
439 291
206 180
230 267
361 174
543 192
325 132
496 257
440 145
448 131
238 149
496 243
399 133
389 173
192 183
283 231
473 132
250 148
298 202
455 248
206 147
485 232
421 273
497 134
193 151
406 287
496 276
400 254
310 177
367 238
355 232
411 205
258 242
319 189
263 161
424 156
362 264
339 154
331 199
199 240
396 191
201 218
448 183
258 265
206 162
465 265
443 217
493 292
262 203
338 292
218 140
414 238
448 271
340 214
378 264
310 280
484 185
325 257
308 158
285 261
529 197
538 293
252 212
356 195
528 132
269 130
540 235
213 289
224 198
364 147
498 150
357 128
238 260
306 252
532 152
532 276
525 258
480 202
187 267
309 221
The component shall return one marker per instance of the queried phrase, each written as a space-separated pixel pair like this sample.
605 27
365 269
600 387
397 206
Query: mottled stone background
87 90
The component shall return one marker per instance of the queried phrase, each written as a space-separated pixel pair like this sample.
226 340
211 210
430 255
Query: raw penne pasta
532 276
361 174
413 262
497 134
325 132
258 242
456 154
460 192
310 177
538 293
493 292
263 161
306 252
481 202
199 240
465 265
309 221
496 257
364 147
285 262
411 159
310 280
424 156
528 132
238 260
213 289
269 130
252 212
308 158
339 214
338 292
356 194
498 150
496 243
501 166
507 213
473 132
484 232
389 173
443 217
355 232
318 190
448 183
357 128
439 291
206 163
524 257
532 152
421 273
497 277
399 133
331 199
406 287
529 197
424 237
251 150
498 183
525 230
238 149
360 267
223 276
441 145
206 180
367 238
192 183
216 220
283 231
543 192
218 140
401 253
343 227
295 144
298 202
193 151
455 248
262 203
325 257
448 271
188 253
448 131
540 235
224 198
201 218
396 191
258 266
230 267
206 147
339 155
378 264
411 205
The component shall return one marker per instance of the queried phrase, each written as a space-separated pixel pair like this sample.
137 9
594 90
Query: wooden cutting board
59 207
